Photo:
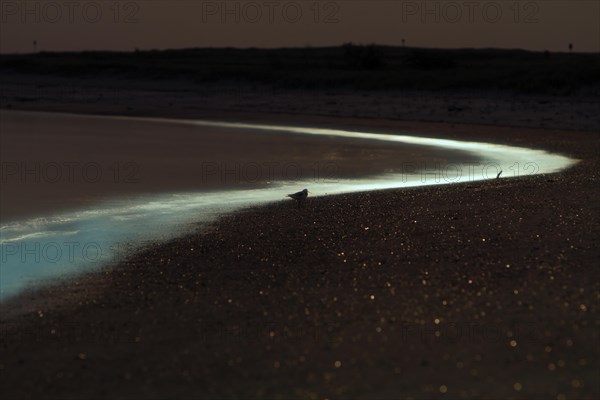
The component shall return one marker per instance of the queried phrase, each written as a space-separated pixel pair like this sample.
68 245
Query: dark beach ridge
474 290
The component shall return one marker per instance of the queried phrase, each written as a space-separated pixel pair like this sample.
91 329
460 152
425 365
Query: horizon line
305 47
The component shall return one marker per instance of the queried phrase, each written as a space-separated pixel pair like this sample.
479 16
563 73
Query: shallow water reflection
38 249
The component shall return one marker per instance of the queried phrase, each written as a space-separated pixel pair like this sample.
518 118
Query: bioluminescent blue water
35 250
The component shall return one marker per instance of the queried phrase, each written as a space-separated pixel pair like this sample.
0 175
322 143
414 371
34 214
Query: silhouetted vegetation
353 67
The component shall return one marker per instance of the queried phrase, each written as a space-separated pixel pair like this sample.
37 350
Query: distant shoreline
177 97
301 48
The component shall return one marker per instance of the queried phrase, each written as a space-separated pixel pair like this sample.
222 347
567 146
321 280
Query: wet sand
478 290
57 162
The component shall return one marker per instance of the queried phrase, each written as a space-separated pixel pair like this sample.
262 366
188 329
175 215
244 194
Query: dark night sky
159 24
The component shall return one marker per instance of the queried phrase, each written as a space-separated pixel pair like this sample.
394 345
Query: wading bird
299 196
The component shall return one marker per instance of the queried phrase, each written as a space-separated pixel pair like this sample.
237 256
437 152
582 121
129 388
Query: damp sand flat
58 162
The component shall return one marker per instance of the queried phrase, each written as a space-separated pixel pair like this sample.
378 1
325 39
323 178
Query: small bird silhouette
299 196
499 173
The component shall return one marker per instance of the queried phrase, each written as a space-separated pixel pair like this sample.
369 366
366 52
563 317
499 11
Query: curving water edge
35 250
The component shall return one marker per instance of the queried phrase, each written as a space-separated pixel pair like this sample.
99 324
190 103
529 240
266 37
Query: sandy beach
312 200
478 290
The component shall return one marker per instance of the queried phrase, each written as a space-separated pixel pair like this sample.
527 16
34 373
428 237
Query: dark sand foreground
481 290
